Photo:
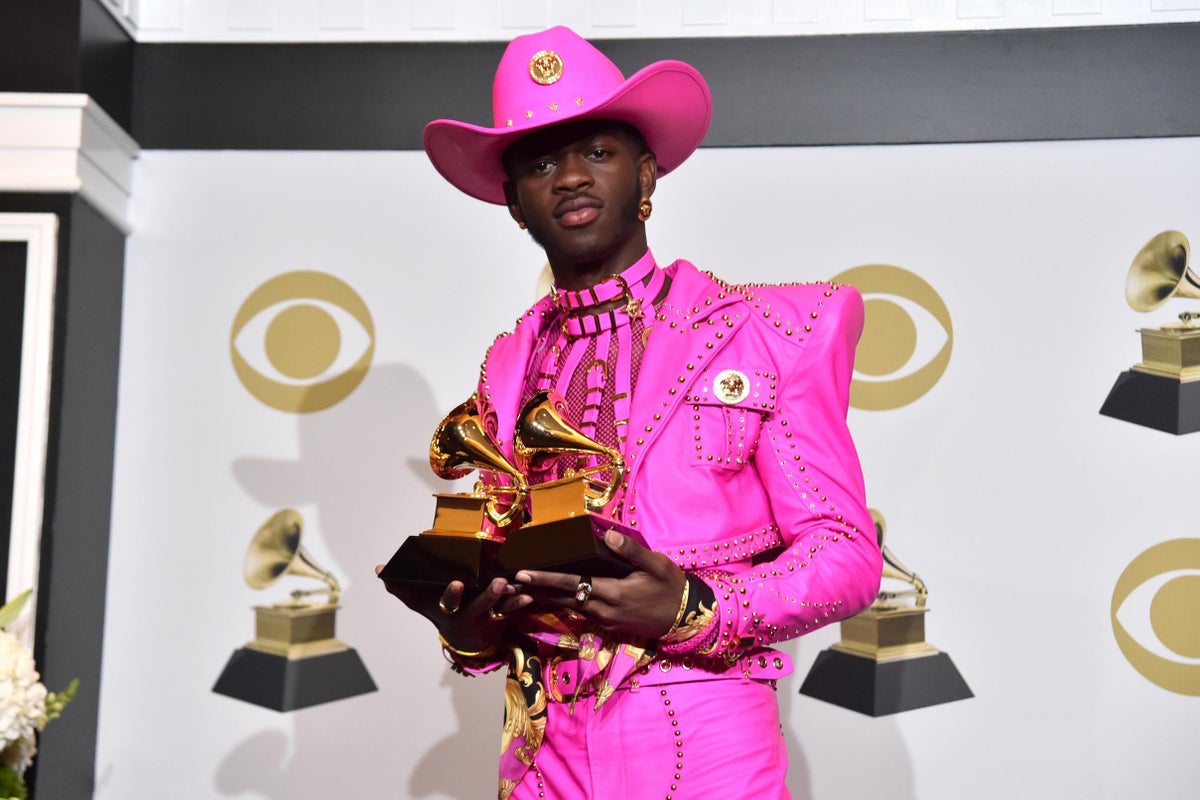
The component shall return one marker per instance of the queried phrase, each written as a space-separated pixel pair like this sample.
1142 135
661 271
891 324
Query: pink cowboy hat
555 76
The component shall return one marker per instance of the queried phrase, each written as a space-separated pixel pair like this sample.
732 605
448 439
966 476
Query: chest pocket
726 409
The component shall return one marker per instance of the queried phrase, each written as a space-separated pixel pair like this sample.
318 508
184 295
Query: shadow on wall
873 759
361 467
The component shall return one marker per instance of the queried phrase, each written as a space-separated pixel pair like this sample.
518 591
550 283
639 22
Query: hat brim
668 101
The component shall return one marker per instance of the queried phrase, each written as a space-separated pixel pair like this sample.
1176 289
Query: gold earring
521 224
644 209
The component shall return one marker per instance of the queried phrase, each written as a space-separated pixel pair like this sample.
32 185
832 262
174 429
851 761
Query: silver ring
445 608
584 590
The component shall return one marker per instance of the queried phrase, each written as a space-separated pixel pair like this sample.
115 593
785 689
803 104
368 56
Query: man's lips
577 211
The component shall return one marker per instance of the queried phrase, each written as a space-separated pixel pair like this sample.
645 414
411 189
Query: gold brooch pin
731 386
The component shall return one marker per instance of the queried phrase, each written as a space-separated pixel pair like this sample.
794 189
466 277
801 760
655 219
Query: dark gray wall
1065 83
78 483
67 46
79 479
106 62
74 46
39 45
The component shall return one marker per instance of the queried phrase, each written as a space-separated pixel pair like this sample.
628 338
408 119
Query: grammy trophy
1162 391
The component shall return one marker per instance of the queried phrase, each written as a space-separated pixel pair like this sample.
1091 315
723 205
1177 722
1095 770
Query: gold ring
445 608
495 615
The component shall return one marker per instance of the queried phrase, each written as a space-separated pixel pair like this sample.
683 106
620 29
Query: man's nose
574 173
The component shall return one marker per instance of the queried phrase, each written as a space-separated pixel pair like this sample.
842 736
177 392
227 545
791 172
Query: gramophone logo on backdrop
1156 615
906 341
302 341
295 659
883 665
1162 391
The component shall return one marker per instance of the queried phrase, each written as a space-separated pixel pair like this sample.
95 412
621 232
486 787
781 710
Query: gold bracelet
486 652
687 589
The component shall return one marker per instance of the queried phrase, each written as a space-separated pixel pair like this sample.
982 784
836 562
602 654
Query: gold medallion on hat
546 67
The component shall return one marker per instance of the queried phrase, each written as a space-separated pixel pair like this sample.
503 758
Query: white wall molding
66 143
39 232
500 20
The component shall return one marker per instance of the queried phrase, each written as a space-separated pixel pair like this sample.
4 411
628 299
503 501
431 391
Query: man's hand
645 603
472 626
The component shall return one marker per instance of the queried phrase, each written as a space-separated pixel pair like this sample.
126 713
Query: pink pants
681 741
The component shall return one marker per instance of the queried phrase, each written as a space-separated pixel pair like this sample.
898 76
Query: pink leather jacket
752 484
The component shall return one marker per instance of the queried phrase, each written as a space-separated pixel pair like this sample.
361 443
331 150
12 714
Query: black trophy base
432 560
274 682
574 545
1154 401
881 688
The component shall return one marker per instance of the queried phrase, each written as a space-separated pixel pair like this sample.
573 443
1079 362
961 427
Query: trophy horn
460 444
544 433
1160 271
275 551
892 568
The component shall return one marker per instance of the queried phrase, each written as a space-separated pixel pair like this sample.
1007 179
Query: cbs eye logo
1158 595
907 337
302 341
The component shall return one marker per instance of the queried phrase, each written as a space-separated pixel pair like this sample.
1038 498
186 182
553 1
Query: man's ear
647 173
514 205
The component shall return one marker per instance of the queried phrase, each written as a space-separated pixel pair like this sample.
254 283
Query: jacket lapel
699 323
504 369
701 310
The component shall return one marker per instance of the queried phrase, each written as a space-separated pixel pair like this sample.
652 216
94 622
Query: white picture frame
39 233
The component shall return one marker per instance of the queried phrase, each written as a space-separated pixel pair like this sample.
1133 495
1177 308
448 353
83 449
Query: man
728 404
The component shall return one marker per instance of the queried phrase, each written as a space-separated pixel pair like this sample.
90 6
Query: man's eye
543 166
599 153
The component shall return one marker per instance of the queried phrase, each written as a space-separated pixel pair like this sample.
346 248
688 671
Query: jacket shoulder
801 311
784 295
801 295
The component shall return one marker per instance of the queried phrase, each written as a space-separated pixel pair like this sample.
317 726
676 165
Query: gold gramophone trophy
1163 390
295 659
461 545
883 665
565 529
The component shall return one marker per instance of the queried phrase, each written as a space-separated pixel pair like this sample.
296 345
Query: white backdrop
1003 487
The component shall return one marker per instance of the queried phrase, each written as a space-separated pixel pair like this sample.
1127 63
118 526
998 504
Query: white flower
22 702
